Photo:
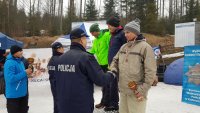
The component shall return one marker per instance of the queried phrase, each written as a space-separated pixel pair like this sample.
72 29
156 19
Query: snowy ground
161 99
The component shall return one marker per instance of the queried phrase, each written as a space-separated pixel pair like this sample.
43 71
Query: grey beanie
133 26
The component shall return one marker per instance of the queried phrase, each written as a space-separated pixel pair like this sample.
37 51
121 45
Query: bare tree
157 6
174 12
38 7
54 7
99 8
170 9
15 4
60 14
163 8
181 8
9 4
80 10
84 8
160 7
176 2
71 12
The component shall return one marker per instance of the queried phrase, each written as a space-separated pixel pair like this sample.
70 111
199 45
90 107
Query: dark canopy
6 42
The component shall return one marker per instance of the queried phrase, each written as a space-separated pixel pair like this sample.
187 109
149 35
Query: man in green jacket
100 49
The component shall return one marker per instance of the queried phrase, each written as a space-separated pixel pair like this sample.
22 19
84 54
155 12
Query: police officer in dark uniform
77 72
57 50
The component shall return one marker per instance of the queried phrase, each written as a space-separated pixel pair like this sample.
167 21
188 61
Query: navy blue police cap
77 33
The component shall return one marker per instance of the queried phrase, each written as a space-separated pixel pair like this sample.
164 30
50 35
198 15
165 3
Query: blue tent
81 26
6 42
174 72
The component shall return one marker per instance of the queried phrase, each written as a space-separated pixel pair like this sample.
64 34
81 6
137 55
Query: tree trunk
176 6
8 24
163 8
15 4
174 9
126 11
157 6
61 15
181 7
183 11
160 7
38 7
54 7
84 8
99 9
71 9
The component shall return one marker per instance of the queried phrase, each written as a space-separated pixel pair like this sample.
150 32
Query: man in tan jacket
135 63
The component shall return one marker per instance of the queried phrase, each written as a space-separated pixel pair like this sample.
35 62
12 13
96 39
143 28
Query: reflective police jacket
77 70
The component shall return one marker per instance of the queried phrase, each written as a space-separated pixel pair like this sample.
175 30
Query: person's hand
138 95
31 67
133 86
29 72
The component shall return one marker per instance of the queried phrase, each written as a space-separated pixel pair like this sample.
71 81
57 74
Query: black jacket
77 70
116 41
51 66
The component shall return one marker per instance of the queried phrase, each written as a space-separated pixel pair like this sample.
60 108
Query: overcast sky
26 5
99 5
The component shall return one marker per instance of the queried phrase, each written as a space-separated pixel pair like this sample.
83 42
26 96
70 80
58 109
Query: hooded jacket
100 47
116 41
135 61
15 77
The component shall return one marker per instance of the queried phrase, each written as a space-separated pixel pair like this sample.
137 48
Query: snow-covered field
161 99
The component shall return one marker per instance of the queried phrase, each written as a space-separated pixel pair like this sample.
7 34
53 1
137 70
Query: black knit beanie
14 49
113 21
55 46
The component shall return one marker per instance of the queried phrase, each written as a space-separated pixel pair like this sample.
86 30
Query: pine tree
197 10
21 23
128 7
139 11
130 12
91 11
109 8
190 11
151 17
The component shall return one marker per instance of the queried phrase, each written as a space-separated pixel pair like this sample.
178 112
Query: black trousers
114 94
17 105
53 90
110 92
105 89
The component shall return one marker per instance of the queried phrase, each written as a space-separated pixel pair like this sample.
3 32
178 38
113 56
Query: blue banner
191 77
